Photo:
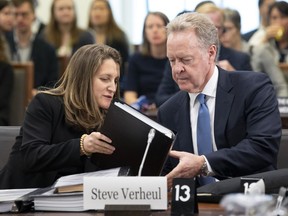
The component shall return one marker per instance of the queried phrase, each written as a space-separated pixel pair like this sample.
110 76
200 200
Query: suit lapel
184 131
224 100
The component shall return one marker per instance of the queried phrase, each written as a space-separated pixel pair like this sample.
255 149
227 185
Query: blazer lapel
184 135
224 100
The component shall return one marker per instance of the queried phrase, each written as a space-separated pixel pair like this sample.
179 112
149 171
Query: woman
273 48
60 128
145 69
6 71
106 31
62 31
277 31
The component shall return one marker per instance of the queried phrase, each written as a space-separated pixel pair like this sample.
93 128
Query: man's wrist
204 171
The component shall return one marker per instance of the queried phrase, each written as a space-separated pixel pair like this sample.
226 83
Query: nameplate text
101 191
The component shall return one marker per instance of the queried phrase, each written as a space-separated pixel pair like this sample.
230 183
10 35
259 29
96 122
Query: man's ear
212 52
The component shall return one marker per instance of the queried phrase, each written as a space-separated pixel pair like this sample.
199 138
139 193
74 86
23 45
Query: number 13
186 190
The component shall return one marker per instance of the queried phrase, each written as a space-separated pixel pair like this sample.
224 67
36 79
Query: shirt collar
209 89
16 39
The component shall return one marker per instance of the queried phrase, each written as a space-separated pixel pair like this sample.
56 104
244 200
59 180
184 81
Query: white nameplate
101 191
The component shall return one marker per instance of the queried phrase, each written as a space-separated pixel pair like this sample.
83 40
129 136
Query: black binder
141 143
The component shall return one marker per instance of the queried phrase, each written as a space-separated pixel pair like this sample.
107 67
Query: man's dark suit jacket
167 87
247 124
43 55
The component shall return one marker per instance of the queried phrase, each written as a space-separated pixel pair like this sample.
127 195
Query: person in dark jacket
6 70
229 59
61 125
25 46
243 130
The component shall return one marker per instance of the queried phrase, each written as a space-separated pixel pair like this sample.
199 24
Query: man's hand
189 166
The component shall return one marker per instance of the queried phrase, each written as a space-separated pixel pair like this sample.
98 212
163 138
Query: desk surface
205 209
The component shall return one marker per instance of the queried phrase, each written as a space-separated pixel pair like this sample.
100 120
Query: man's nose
178 67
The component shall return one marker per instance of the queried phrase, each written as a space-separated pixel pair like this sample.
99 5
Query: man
229 59
244 117
25 46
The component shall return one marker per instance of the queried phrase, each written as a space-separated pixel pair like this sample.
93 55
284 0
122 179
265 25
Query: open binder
141 143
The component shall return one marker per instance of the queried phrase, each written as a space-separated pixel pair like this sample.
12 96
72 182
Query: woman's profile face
99 15
64 11
105 83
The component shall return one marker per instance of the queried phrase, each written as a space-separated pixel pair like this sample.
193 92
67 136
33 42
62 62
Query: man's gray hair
205 30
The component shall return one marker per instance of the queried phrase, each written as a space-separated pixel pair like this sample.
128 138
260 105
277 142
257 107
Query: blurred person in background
37 26
62 31
231 59
106 31
25 46
7 22
231 36
261 60
272 48
6 70
276 33
263 6
145 68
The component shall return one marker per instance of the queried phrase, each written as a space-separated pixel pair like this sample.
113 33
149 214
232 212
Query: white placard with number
101 191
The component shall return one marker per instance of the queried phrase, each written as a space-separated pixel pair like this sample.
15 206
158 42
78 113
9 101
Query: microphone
151 136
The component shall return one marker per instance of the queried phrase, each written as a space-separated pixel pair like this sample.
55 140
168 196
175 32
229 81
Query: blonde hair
76 86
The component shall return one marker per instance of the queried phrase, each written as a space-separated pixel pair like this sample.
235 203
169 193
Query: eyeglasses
22 14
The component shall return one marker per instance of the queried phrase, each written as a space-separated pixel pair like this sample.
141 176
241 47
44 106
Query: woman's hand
98 143
274 31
